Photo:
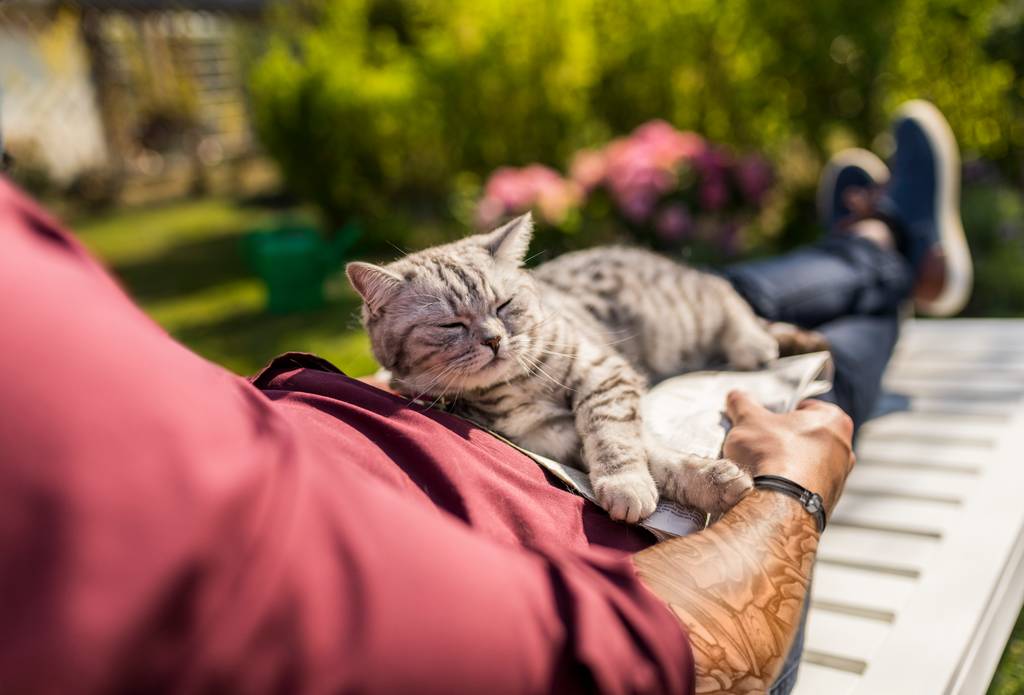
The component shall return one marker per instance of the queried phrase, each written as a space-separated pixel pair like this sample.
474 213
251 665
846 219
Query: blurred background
226 157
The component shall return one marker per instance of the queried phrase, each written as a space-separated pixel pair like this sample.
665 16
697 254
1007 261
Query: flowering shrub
534 187
665 186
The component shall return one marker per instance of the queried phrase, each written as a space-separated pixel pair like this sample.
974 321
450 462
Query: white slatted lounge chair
920 575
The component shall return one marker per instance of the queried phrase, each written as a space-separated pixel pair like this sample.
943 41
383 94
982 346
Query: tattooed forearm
738 587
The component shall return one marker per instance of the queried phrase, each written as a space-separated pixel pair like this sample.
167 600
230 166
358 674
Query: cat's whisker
608 343
557 354
541 322
438 301
443 391
620 340
539 370
398 248
448 369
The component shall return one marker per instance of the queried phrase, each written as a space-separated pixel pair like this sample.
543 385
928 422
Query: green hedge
385 106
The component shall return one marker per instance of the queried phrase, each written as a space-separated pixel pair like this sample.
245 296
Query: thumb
739 406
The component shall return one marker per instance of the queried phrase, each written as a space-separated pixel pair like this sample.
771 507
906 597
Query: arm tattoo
739 588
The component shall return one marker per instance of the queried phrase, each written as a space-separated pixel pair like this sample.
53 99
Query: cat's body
557 359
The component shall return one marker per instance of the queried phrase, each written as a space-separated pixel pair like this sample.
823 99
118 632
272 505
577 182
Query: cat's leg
605 400
713 485
746 342
794 340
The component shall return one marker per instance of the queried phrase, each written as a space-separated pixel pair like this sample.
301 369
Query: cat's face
453 318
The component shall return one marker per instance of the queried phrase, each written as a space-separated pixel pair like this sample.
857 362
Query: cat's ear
509 242
374 284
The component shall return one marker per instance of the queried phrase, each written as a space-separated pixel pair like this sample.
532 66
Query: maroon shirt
168 526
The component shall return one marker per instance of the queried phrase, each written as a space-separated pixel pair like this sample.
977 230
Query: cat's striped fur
556 359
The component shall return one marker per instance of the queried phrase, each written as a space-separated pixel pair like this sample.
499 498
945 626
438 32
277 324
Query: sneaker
922 206
851 168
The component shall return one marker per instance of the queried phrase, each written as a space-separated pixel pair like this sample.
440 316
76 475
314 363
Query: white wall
47 93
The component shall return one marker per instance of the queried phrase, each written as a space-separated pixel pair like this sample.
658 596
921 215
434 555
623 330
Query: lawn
184 264
1009 678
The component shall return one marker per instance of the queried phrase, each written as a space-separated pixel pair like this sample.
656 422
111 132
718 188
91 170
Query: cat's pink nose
492 341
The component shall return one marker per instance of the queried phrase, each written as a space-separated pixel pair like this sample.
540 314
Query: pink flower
637 206
669 145
512 191
510 188
489 212
713 162
642 168
588 169
755 177
634 177
674 222
714 193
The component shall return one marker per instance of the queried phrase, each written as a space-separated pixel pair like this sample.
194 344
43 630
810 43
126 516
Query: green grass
183 263
1009 677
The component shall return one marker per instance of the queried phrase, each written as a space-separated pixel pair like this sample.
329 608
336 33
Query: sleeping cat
556 359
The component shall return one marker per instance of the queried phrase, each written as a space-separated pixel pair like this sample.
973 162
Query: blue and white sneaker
853 168
921 203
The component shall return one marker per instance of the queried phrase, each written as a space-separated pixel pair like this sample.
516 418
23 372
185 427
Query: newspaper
687 413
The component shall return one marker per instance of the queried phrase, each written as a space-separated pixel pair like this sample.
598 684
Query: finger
810 404
827 409
818 404
739 406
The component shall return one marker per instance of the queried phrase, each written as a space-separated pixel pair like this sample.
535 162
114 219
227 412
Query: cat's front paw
716 486
753 351
628 495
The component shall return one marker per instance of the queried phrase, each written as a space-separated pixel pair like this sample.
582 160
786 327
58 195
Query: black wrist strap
811 501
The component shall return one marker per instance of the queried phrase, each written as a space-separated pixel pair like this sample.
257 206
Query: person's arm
739 586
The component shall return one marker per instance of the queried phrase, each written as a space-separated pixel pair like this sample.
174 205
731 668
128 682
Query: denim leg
784 684
861 347
840 276
848 288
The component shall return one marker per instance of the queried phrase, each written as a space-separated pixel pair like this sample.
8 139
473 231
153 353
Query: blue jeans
851 290
846 287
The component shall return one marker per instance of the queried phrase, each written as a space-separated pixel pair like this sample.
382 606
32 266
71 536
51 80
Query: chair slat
844 636
860 591
950 487
822 680
901 555
921 454
919 426
904 517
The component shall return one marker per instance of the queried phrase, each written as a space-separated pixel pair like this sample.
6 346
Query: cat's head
452 318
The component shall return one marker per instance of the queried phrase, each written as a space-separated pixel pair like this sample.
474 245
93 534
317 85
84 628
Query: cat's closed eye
503 305
456 324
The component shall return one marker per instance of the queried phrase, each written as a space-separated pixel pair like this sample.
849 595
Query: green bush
378 107
994 222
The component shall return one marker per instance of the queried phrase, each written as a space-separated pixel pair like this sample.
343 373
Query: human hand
811 446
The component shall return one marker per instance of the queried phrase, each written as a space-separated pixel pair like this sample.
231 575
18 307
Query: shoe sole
959 276
855 156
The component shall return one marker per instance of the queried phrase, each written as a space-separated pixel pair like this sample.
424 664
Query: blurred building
147 92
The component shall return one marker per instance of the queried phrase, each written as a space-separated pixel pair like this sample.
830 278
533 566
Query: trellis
89 83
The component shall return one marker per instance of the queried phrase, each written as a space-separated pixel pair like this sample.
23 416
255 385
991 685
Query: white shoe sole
863 159
959 278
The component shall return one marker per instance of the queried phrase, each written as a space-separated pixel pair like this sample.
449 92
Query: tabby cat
557 358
